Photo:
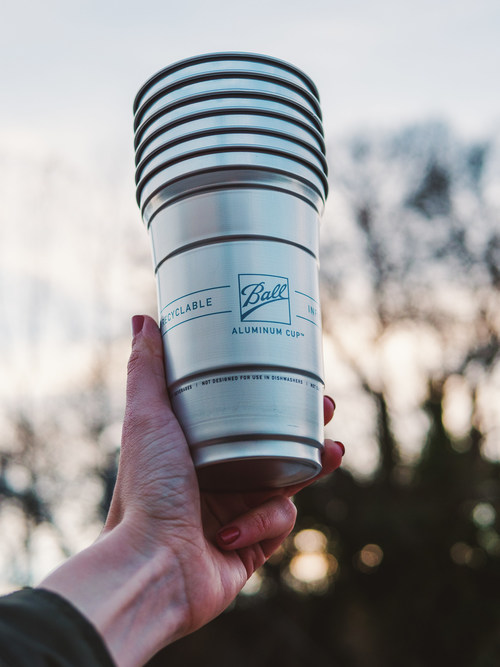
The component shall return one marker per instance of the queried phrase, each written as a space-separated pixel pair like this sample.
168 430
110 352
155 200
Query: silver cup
229 138
246 120
158 181
214 82
234 227
222 62
219 100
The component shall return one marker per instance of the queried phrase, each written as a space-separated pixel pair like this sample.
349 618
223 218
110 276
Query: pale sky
70 69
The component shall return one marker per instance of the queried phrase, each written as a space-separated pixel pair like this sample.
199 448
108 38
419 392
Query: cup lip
240 169
218 75
232 130
227 111
235 148
224 55
223 94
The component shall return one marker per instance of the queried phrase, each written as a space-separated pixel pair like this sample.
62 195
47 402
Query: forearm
135 599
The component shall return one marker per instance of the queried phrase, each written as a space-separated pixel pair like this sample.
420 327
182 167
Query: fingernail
329 398
341 445
137 324
228 535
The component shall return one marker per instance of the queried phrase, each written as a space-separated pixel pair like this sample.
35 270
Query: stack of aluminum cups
231 182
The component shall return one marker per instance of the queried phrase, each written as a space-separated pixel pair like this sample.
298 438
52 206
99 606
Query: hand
188 553
218 539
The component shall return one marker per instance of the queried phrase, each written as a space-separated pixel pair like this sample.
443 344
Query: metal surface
241 327
236 213
216 293
229 179
227 138
243 86
230 157
233 214
256 122
226 99
251 62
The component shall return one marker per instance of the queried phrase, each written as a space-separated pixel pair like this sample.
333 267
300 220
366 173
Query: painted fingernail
329 398
228 535
341 445
137 324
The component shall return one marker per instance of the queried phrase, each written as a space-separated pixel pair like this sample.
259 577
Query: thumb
149 419
146 384
148 413
152 440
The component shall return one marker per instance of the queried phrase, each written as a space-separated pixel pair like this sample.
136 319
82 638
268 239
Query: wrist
132 593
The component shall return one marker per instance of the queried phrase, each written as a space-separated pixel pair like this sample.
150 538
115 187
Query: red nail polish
137 324
341 445
228 535
329 398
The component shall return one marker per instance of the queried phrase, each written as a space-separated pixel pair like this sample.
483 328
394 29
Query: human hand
185 554
217 539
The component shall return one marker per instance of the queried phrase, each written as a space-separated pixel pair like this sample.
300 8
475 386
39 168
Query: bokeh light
484 515
312 568
369 558
253 585
310 540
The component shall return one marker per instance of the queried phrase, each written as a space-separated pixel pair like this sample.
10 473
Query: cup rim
139 124
231 130
229 74
227 111
229 149
244 183
220 56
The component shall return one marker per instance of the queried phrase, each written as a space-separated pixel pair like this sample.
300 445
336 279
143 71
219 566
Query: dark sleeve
41 629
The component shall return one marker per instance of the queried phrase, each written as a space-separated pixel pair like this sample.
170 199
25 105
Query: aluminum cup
205 106
205 181
260 400
231 82
254 63
231 157
204 141
233 214
221 217
255 122
218 100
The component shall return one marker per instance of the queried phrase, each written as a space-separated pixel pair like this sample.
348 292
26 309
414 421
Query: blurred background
395 560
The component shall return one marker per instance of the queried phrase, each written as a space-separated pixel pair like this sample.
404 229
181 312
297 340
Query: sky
71 68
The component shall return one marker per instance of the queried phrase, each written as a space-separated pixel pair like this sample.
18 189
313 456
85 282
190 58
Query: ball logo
264 298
